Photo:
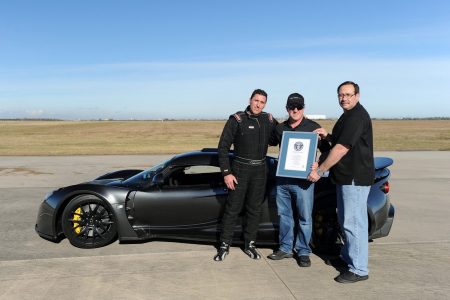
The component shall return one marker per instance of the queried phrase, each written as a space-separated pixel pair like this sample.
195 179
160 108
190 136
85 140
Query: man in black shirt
294 192
245 177
351 166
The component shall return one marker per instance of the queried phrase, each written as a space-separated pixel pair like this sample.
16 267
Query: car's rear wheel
89 222
325 236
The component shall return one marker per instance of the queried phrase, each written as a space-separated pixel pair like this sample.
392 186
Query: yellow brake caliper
76 217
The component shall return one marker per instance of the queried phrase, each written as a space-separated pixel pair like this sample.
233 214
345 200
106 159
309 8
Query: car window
195 176
144 177
201 169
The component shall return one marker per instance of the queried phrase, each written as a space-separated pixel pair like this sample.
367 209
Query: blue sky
202 59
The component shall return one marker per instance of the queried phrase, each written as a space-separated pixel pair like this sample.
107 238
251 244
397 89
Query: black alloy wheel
88 222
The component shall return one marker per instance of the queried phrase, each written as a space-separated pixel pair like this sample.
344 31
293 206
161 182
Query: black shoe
303 261
251 251
279 254
223 250
350 277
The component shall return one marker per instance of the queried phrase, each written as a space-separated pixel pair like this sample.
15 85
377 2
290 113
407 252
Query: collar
356 107
287 124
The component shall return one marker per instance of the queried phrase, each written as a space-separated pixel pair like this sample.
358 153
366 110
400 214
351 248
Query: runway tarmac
413 262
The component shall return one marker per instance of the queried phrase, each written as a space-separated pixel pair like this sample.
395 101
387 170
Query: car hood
114 182
109 182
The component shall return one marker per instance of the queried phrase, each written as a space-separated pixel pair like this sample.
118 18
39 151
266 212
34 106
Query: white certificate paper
297 154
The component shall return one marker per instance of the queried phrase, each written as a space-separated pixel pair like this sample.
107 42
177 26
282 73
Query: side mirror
158 179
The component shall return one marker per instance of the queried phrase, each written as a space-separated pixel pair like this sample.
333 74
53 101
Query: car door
190 196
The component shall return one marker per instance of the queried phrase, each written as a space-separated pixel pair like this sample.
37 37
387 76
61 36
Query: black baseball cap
295 100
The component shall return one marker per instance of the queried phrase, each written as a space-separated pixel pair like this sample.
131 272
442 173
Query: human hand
321 132
230 181
313 176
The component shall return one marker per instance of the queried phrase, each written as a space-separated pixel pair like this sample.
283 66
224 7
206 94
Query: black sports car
183 198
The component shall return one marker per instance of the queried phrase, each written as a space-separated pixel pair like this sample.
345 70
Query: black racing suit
250 136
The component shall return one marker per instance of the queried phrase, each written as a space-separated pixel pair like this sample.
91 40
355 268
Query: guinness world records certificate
297 154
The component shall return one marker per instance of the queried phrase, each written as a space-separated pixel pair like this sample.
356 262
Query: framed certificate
297 154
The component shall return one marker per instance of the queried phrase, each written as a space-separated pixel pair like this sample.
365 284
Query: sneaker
279 254
350 277
303 261
251 251
223 250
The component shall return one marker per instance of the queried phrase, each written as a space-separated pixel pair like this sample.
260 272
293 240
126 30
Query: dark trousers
249 195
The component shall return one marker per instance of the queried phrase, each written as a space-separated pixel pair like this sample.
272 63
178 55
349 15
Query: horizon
217 119
112 60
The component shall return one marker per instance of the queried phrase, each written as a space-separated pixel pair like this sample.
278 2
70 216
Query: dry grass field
166 137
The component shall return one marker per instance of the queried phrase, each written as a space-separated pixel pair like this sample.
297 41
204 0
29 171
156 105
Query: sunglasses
292 107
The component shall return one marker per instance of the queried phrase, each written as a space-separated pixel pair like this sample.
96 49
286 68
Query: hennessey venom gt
183 198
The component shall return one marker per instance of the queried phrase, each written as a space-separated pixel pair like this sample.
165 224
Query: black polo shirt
306 125
354 129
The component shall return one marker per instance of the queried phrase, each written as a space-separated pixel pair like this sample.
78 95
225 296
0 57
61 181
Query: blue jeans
352 216
295 195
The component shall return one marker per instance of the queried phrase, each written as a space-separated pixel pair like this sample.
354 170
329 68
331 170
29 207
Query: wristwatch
320 172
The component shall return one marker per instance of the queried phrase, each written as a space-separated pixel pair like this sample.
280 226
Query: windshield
145 176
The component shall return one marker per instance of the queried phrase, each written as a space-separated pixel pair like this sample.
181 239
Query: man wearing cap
249 131
351 166
294 192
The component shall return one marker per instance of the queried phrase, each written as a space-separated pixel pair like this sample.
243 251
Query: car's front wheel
88 222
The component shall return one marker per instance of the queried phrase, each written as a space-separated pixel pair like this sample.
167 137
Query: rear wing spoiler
382 162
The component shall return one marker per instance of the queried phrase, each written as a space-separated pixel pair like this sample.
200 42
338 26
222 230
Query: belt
253 162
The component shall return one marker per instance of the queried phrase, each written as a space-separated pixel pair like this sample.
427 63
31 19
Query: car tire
325 237
88 222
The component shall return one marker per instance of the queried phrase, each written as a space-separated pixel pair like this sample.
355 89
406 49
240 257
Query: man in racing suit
245 177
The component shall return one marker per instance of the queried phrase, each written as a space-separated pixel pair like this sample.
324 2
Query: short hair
355 86
259 92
